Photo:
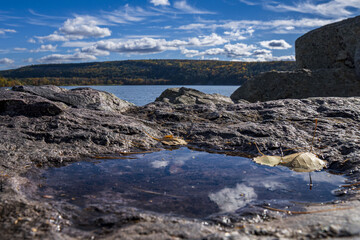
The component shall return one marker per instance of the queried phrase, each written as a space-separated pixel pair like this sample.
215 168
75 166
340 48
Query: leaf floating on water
271 161
298 162
303 162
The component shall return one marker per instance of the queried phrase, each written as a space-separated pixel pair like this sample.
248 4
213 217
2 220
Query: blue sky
44 31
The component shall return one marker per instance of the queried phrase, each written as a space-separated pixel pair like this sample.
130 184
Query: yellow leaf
303 162
268 160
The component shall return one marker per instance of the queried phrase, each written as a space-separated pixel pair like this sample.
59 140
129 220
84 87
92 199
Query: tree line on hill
141 72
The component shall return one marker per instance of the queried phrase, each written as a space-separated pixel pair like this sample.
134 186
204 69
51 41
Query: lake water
183 182
144 94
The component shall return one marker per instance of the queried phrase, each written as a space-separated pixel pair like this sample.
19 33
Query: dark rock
21 104
303 83
74 134
328 59
79 97
331 46
190 96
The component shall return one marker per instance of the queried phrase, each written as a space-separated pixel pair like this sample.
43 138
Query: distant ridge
138 72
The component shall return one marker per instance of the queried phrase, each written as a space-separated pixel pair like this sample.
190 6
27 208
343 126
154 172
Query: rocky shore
47 126
40 127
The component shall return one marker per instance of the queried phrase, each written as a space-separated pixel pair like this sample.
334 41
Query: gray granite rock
29 143
331 46
328 59
302 83
191 96
78 97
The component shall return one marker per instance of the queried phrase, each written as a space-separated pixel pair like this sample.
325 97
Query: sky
44 31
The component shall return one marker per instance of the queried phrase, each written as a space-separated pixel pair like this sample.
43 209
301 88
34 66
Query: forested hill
134 72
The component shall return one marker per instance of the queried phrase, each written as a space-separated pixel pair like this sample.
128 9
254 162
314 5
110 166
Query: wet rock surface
328 61
38 131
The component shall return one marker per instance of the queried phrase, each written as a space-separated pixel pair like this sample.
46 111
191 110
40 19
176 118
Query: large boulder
328 61
79 97
331 46
302 83
189 96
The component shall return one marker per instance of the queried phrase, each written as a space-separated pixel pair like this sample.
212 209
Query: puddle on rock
183 182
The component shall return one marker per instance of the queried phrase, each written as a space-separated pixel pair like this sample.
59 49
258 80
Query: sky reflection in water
184 182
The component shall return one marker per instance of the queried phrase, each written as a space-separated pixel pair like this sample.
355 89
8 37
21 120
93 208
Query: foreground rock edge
220 127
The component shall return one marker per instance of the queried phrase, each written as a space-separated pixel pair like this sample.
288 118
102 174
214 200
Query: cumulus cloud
231 199
151 45
93 50
3 31
211 40
276 44
6 61
237 34
160 2
59 58
45 48
77 28
186 8
333 8
84 27
139 46
229 50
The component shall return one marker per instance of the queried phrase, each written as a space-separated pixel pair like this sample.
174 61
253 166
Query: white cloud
211 40
59 58
266 58
20 49
93 50
77 28
28 60
3 31
159 164
238 50
84 27
276 44
231 199
31 40
277 26
186 8
237 34
139 46
189 53
45 48
55 37
128 14
193 26
6 61
77 44
333 8
160 2
229 50
151 45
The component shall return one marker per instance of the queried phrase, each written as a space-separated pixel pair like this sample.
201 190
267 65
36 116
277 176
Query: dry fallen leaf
268 160
169 140
303 162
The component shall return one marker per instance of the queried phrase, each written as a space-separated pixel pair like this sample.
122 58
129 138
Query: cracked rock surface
38 130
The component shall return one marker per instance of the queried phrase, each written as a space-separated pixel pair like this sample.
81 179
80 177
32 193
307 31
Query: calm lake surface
144 94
